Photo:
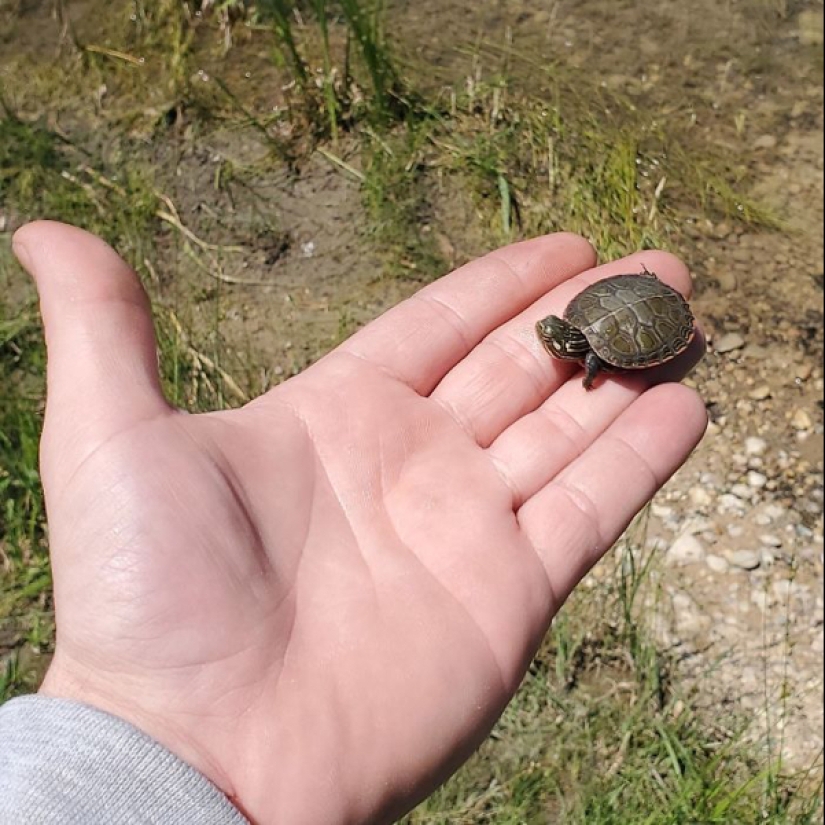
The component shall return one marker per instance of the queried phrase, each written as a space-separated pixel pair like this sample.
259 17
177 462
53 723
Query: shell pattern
632 321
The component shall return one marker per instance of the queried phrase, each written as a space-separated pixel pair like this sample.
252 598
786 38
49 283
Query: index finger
424 337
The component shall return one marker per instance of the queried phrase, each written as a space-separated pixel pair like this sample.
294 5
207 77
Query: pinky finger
577 517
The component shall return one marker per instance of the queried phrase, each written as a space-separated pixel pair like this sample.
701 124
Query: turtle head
561 339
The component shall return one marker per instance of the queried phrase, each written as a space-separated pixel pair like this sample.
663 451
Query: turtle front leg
592 365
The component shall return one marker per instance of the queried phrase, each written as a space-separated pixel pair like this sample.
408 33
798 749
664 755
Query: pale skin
323 600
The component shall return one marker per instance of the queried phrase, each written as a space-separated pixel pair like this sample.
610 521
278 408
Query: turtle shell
632 321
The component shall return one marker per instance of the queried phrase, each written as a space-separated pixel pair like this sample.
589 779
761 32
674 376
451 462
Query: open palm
323 600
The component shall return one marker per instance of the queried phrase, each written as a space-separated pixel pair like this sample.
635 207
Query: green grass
358 78
601 731
397 191
534 163
24 569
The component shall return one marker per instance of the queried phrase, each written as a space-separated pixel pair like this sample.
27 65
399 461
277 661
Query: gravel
729 342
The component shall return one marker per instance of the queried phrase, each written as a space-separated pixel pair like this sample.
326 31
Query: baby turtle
627 322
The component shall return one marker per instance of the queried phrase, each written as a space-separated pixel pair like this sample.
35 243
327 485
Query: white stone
744 559
801 420
687 549
757 480
760 393
774 511
742 491
729 342
716 563
760 599
755 445
697 524
700 497
728 502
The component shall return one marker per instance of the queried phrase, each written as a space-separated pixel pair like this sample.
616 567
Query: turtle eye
544 333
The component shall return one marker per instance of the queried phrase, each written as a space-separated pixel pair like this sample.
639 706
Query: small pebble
700 497
742 491
755 445
801 420
729 502
729 342
687 549
744 559
697 524
774 511
769 540
756 352
760 599
760 393
757 480
716 563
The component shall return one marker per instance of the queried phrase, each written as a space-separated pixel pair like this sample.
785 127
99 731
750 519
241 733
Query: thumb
102 372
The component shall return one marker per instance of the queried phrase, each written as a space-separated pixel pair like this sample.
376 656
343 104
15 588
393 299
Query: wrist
80 685
64 761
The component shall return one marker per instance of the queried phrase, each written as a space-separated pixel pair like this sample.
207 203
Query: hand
323 600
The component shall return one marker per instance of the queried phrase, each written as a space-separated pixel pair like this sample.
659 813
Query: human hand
324 600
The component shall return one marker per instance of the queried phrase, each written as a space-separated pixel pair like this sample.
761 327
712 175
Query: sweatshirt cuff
66 762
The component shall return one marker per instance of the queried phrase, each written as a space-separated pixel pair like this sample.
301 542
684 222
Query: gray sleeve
65 762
